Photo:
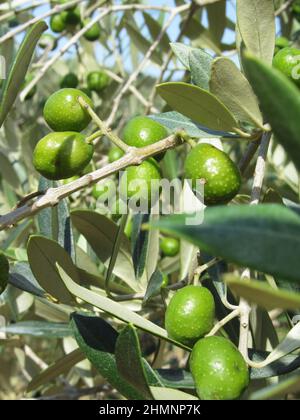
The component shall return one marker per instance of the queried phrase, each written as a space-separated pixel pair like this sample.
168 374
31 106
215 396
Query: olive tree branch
51 197
140 67
56 9
245 308
235 313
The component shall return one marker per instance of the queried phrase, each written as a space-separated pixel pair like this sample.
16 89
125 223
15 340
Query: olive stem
98 134
224 321
103 128
245 307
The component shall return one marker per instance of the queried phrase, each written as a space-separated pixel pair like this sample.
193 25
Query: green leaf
256 23
21 277
139 242
100 352
19 68
182 52
155 28
282 366
234 90
100 232
54 223
38 329
43 254
200 65
153 248
129 361
154 285
262 294
290 343
198 105
288 386
59 367
280 103
8 172
114 308
201 36
230 232
216 13
141 43
175 121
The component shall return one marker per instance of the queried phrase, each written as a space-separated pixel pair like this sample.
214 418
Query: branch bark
52 196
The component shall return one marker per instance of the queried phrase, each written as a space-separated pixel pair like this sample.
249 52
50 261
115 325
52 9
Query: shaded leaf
197 104
59 367
262 294
100 352
176 121
288 386
38 329
154 285
21 277
100 232
230 232
141 43
280 102
113 308
129 361
43 254
19 68
234 90
200 65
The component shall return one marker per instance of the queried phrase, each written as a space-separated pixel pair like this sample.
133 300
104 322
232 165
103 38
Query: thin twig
245 308
140 67
56 9
224 321
52 196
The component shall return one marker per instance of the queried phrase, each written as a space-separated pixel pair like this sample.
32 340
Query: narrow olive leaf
175 121
141 43
234 90
54 223
262 294
154 285
197 104
201 37
280 102
115 252
114 308
38 329
200 65
282 366
59 367
160 393
139 242
152 249
100 232
288 386
216 13
182 52
43 254
100 354
21 277
290 343
19 68
253 18
129 361
8 172
155 28
250 236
